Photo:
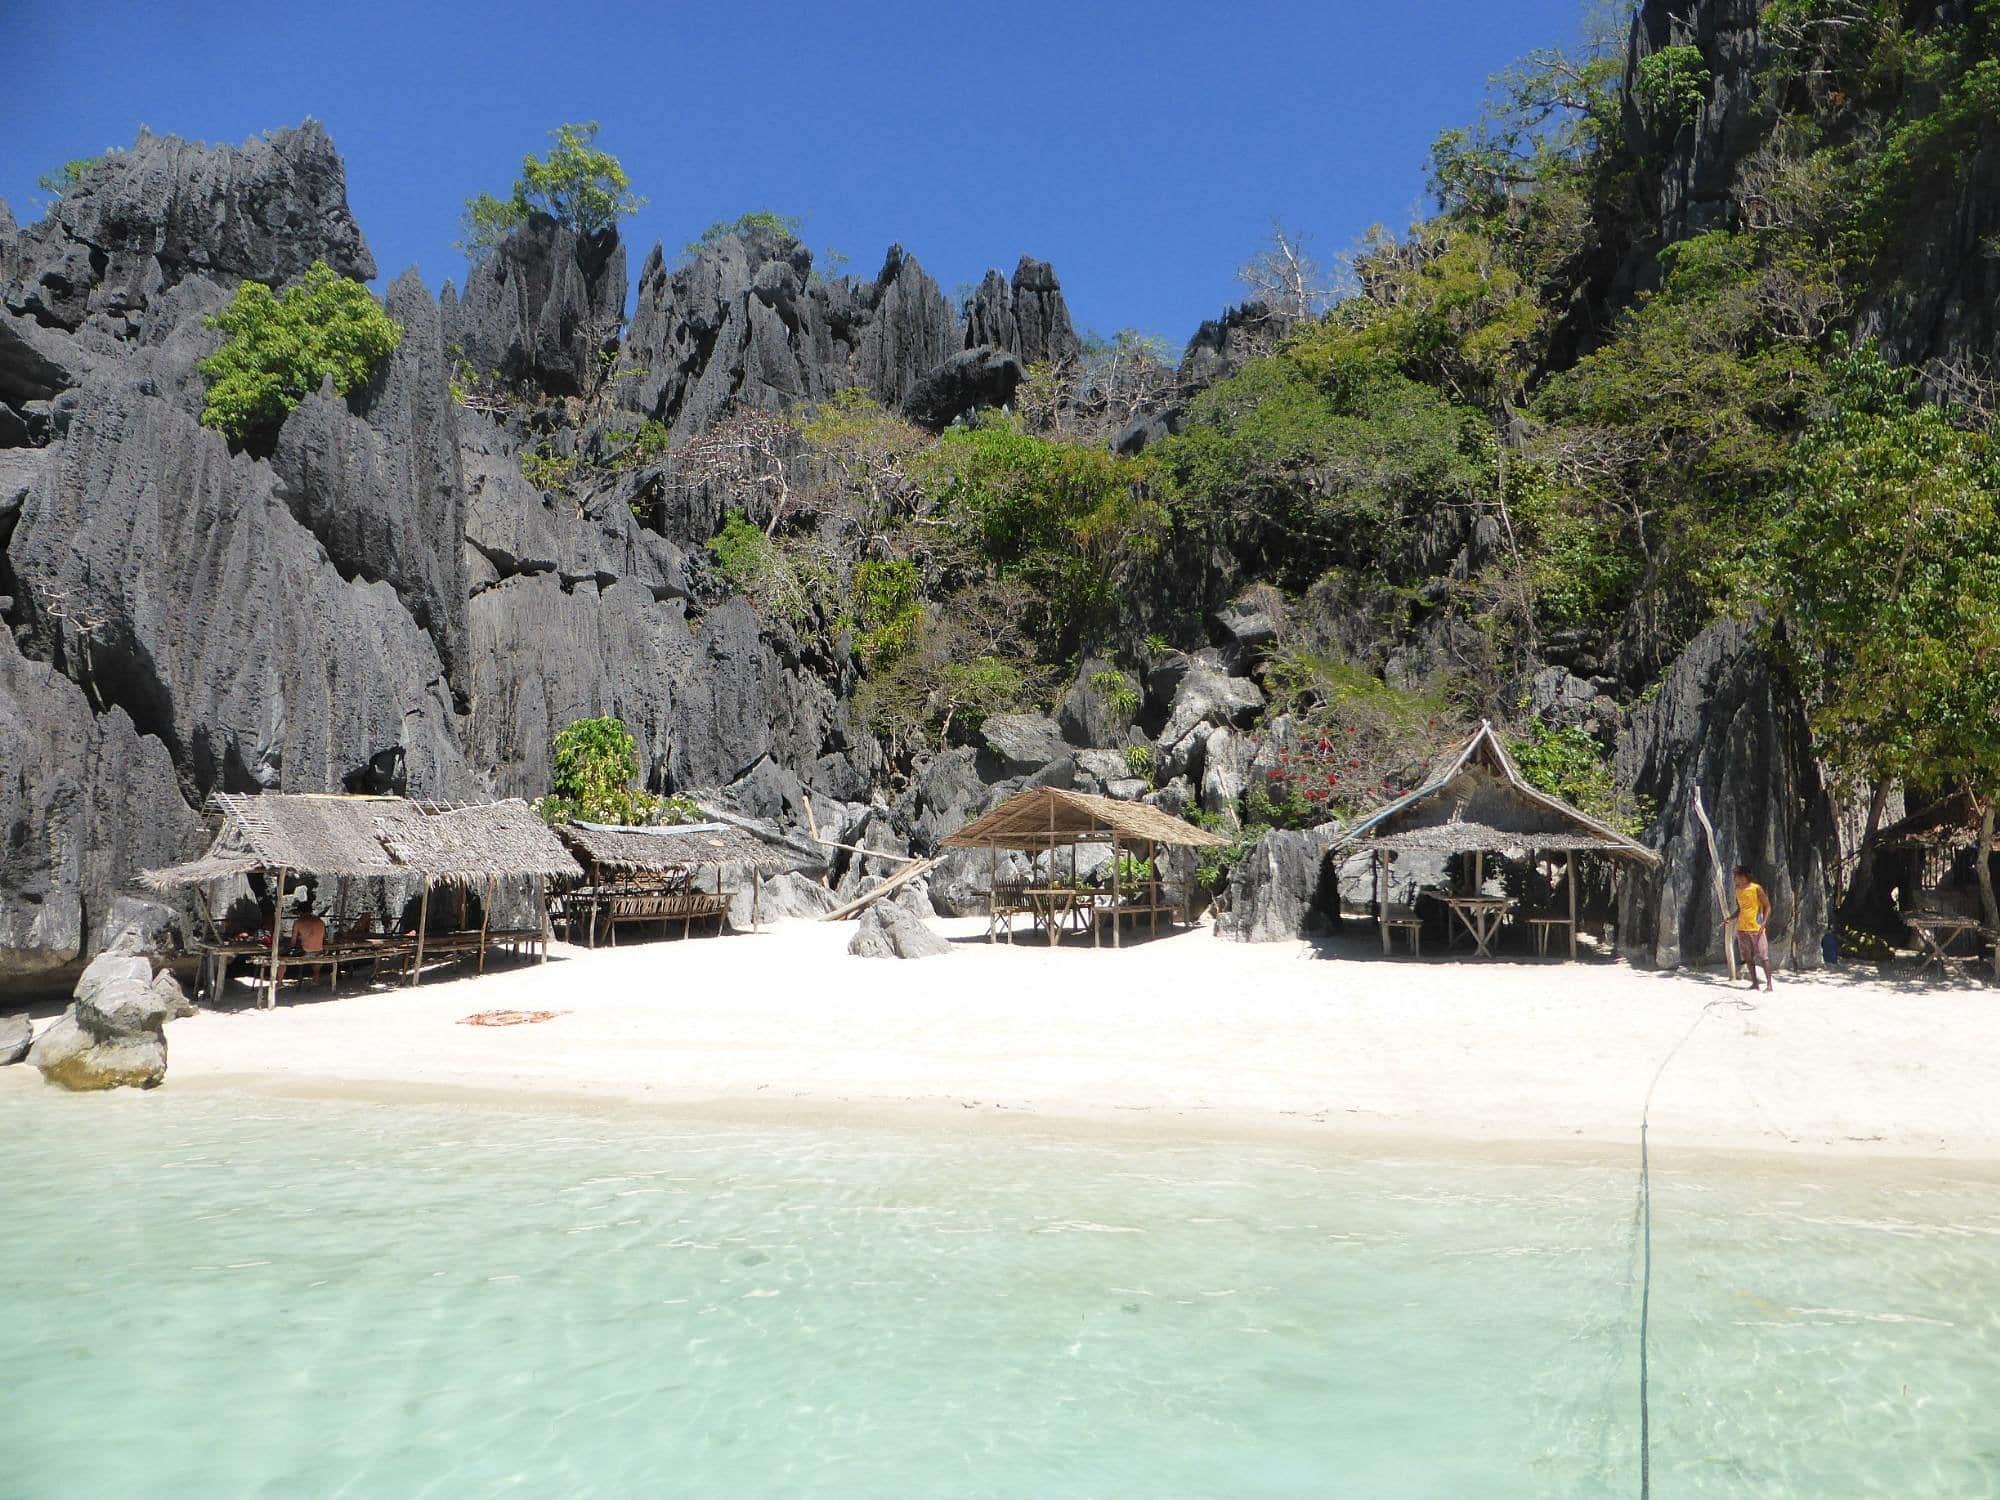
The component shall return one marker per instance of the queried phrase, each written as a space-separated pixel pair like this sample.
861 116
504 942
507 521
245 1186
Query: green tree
487 221
278 348
1673 84
1883 566
578 184
595 763
68 175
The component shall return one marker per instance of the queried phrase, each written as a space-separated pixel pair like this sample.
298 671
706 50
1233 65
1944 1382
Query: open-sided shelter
1931 857
348 838
635 874
1043 819
1475 801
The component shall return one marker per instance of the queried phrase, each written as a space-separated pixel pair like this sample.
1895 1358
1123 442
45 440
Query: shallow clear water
210 1295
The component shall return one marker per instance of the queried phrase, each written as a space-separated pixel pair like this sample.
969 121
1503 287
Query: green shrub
577 184
277 349
1119 692
785 226
485 222
680 808
68 175
1568 762
595 762
889 600
1139 761
548 471
1673 83
746 558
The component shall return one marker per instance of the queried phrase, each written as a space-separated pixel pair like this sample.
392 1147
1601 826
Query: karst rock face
1727 724
375 598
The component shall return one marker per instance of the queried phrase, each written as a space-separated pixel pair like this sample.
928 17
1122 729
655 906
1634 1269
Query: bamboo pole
423 920
277 926
339 920
1721 893
1569 879
1117 922
542 902
485 919
1382 896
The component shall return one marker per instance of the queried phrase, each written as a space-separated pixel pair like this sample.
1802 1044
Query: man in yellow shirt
1753 917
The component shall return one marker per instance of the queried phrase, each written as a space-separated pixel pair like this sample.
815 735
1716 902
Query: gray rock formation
1022 743
1726 721
17 1035
890 930
542 308
114 1035
784 897
1281 888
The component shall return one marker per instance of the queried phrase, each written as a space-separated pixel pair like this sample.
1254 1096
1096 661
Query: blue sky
1144 148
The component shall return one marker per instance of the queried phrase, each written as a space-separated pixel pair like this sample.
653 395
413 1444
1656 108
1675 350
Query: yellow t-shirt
1751 903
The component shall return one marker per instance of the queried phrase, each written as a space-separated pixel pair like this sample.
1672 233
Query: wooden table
1936 934
1481 916
1053 907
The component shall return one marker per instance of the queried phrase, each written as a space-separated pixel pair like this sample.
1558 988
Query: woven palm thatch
471 845
1950 824
627 851
351 837
1478 801
1044 817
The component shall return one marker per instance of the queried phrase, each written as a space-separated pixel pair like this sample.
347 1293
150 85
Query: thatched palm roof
1477 799
1952 823
486 841
349 837
1045 817
628 850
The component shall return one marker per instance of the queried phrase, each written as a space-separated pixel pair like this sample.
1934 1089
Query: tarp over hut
1476 801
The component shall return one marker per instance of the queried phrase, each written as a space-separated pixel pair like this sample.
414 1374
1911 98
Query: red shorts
1753 948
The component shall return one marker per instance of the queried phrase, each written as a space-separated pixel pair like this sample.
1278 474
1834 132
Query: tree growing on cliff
278 348
578 184
595 763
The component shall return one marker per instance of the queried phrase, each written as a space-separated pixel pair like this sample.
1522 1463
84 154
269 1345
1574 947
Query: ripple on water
383 1300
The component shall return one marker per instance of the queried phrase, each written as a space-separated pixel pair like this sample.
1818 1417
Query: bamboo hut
363 838
1932 860
1476 802
1044 819
635 875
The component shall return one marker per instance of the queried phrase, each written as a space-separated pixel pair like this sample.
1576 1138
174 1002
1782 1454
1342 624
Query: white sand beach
1186 1031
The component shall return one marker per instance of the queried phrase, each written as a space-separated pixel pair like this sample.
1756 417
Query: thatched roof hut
1046 817
1948 825
358 837
1476 801
621 850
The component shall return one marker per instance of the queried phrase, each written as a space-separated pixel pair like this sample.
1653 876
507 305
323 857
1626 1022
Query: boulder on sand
114 1035
17 1035
780 898
890 929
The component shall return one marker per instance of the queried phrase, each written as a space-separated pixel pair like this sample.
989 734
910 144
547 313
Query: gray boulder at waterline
69 1056
890 930
17 1035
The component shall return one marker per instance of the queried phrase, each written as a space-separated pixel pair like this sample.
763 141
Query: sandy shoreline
1188 1034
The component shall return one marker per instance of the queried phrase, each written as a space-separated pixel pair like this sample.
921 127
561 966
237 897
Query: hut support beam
339 921
1382 897
1117 922
485 918
542 904
423 920
1569 880
277 954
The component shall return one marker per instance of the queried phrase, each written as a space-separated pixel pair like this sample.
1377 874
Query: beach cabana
1044 819
643 875
1476 802
363 838
1932 858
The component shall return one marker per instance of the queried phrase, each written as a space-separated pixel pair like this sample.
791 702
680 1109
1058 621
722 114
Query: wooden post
277 926
423 919
339 919
1478 872
485 920
542 904
1153 885
756 897
1117 922
1569 879
1382 896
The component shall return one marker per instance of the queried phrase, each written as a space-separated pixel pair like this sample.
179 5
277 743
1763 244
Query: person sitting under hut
308 932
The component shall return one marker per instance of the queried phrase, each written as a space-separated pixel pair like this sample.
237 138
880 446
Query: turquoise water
220 1296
